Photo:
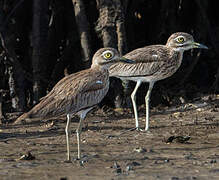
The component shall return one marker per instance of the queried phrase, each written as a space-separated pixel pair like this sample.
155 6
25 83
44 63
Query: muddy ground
111 151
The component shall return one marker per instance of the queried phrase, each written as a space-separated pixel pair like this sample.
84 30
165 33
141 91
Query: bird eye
108 55
180 39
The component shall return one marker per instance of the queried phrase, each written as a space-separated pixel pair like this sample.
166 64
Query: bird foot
139 129
82 160
84 157
143 130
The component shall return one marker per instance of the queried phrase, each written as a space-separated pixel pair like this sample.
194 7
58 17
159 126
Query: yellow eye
180 39
108 55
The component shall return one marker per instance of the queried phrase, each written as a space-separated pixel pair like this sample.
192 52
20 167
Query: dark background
44 40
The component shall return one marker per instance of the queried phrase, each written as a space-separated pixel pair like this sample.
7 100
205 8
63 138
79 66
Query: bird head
181 41
105 57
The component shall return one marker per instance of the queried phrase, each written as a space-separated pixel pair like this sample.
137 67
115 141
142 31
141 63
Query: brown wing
148 61
73 93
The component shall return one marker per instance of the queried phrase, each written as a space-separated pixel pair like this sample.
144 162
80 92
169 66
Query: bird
153 63
77 93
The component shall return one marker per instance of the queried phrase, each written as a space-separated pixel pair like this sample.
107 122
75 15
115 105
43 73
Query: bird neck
176 56
175 48
99 68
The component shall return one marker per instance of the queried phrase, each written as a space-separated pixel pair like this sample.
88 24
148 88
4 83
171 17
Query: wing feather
71 94
149 60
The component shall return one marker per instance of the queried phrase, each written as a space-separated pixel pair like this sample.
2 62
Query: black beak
198 45
125 60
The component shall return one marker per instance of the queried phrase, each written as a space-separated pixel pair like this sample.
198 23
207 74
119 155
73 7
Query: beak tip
201 46
204 47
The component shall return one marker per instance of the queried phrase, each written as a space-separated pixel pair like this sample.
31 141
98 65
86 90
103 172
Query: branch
83 28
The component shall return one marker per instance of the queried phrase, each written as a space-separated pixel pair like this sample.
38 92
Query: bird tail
21 118
33 113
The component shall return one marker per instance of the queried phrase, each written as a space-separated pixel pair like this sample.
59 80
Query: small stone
129 168
145 157
190 156
134 163
177 114
81 163
174 178
63 178
83 160
140 150
151 150
110 136
31 143
166 160
178 139
182 139
199 109
27 156
116 165
182 100
213 161
170 139
117 168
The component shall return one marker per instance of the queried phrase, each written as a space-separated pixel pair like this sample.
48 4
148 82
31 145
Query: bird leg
78 131
67 136
82 115
147 101
133 97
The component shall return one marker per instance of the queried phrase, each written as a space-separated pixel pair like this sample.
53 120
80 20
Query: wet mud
182 144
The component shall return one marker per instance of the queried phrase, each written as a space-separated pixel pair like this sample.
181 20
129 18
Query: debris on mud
27 156
140 150
117 168
130 166
178 139
63 178
190 156
177 147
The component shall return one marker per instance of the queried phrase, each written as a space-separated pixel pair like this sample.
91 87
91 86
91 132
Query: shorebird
153 63
78 93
